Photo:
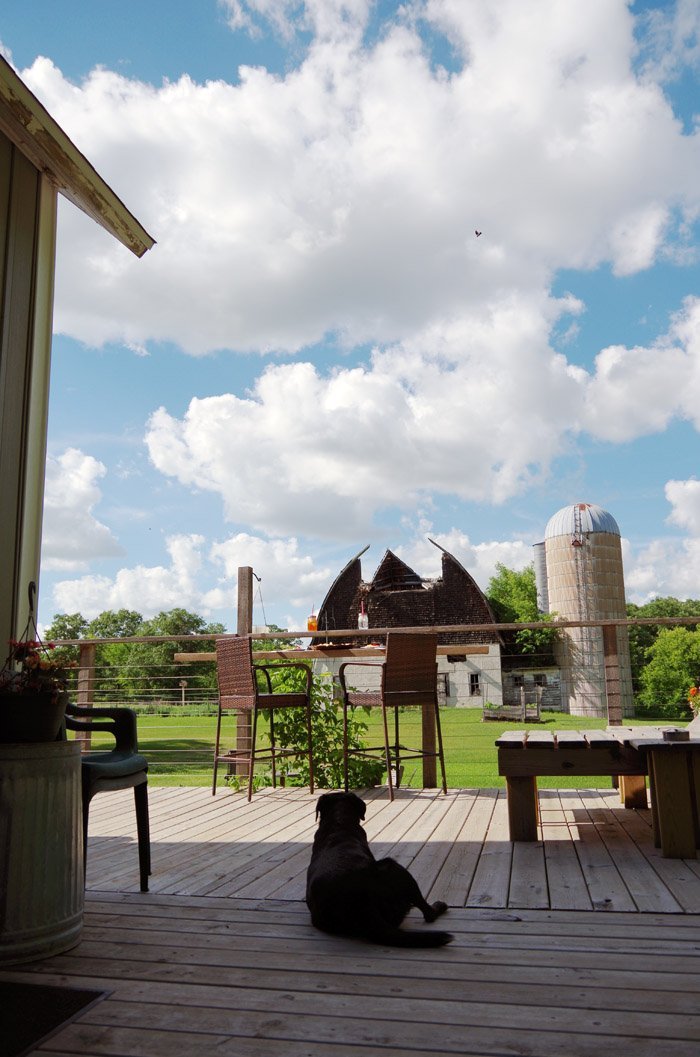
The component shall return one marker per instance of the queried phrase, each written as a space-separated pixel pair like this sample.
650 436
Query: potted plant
32 687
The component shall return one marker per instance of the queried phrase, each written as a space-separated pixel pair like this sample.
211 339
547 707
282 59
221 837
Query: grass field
179 748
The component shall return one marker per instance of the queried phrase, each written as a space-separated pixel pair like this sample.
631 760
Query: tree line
140 669
665 661
147 671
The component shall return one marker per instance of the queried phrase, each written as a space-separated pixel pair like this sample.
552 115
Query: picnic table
671 759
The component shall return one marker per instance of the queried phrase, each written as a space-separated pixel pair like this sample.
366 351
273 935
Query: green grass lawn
180 748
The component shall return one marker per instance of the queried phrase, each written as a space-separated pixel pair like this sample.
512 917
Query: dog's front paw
436 909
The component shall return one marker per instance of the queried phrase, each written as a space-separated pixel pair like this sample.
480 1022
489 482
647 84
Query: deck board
251 977
583 942
595 854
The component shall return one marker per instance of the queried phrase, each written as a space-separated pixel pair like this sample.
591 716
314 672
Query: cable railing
176 698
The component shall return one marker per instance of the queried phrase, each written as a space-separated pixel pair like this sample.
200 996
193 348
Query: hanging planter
31 715
32 688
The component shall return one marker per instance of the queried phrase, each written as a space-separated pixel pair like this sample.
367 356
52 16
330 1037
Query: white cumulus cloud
146 589
72 535
342 196
684 497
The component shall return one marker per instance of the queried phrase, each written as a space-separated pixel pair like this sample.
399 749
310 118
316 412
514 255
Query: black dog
350 893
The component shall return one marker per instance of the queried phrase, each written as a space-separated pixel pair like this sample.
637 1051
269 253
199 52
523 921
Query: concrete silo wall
585 582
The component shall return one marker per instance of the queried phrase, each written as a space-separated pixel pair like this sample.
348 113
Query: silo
585 581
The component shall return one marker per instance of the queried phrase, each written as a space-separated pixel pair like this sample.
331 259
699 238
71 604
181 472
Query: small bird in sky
477 233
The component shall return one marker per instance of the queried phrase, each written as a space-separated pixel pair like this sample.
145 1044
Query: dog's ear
321 804
360 806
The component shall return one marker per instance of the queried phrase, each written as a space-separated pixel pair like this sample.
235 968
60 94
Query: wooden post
244 626
86 687
523 809
612 675
633 790
429 745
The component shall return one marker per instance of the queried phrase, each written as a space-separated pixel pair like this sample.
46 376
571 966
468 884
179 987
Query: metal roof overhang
31 128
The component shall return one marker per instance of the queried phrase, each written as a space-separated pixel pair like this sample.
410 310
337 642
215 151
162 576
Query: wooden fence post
612 675
86 686
244 626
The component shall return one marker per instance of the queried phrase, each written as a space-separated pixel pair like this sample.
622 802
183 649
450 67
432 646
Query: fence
175 694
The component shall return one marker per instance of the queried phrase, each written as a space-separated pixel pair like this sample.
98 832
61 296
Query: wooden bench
523 756
528 713
669 755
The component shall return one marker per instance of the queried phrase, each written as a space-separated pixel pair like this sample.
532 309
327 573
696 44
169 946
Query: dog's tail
391 937
378 930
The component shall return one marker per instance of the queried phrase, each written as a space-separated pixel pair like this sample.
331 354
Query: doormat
33 1012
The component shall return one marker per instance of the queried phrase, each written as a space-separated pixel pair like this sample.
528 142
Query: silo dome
580 518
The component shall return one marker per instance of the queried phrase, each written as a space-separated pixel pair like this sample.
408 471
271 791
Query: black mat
33 1012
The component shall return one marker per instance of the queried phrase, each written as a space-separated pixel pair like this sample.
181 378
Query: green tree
149 668
643 636
112 657
673 666
327 725
512 595
113 624
66 626
144 671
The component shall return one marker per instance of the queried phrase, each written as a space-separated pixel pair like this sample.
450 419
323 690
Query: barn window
474 684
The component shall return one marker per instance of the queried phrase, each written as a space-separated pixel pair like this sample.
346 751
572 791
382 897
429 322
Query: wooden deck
596 855
220 957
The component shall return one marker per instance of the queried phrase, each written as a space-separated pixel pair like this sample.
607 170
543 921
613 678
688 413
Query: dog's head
340 806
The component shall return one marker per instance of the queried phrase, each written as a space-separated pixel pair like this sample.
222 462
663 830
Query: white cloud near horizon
146 589
202 576
72 536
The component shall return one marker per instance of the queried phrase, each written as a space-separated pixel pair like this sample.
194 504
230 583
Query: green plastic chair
119 768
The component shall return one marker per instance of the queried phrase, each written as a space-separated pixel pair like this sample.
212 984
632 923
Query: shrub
327 726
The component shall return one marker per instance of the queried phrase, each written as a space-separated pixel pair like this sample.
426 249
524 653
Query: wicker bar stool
239 692
408 679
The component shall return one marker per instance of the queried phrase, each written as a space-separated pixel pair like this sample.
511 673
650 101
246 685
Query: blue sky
319 353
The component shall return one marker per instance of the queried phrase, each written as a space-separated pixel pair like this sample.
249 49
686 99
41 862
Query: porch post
27 251
244 627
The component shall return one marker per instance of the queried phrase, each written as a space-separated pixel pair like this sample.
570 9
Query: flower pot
31 716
